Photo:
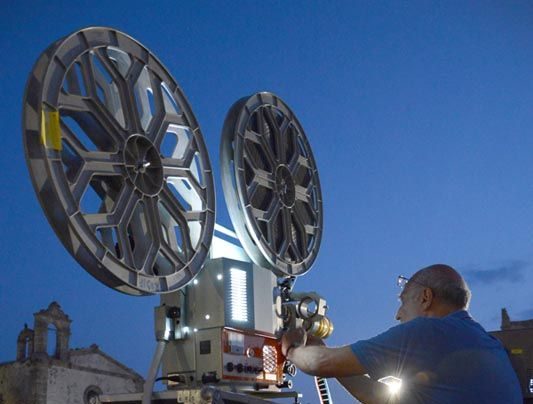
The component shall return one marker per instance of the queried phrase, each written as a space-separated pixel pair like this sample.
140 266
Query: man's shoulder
457 318
433 333
418 329
459 323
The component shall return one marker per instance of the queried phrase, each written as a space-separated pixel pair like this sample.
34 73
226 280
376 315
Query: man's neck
442 310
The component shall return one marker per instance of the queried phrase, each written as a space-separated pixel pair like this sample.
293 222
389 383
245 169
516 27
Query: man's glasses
403 280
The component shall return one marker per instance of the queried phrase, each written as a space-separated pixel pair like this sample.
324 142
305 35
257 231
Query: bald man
440 354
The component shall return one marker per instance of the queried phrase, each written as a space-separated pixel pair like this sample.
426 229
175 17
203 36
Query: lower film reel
118 162
271 184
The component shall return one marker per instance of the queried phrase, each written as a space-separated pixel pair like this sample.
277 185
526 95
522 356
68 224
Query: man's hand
312 340
291 339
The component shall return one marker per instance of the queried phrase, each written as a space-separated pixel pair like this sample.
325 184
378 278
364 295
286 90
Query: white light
195 330
395 388
393 383
219 277
195 282
186 330
238 295
207 316
168 327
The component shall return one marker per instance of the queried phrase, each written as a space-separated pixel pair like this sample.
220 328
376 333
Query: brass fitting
321 328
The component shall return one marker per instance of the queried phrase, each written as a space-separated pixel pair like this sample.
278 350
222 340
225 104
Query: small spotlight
195 282
207 316
195 330
219 277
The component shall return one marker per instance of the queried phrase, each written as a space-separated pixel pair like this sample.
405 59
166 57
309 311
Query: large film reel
118 162
271 184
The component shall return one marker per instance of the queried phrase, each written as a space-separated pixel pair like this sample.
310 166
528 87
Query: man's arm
341 363
322 361
311 356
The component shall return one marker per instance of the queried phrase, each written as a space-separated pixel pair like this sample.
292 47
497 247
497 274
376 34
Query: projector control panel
251 357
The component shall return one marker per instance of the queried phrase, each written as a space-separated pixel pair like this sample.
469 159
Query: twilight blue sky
419 115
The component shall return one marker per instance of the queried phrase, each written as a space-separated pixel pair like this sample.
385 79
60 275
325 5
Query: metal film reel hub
271 184
118 162
143 164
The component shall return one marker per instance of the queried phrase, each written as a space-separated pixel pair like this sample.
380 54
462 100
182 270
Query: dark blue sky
419 115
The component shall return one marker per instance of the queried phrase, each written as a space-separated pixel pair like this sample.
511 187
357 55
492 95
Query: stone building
517 338
45 372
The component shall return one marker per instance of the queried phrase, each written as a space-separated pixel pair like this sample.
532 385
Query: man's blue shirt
442 360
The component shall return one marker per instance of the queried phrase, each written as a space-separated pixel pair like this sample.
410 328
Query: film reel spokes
118 162
271 184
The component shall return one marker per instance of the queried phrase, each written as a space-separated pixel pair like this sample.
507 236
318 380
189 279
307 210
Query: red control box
250 356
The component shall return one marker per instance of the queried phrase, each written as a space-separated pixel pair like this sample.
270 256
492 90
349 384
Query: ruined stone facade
60 375
517 338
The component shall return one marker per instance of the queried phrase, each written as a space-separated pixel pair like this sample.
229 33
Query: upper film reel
118 162
271 184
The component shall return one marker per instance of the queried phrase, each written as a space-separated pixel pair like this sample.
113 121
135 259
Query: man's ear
427 298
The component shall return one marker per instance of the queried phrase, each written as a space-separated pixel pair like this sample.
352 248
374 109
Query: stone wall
14 386
93 358
72 385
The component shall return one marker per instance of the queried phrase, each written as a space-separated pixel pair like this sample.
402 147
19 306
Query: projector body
226 328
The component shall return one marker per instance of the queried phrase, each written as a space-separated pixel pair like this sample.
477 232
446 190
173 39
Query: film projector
121 170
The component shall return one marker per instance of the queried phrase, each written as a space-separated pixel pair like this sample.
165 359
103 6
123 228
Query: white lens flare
393 383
